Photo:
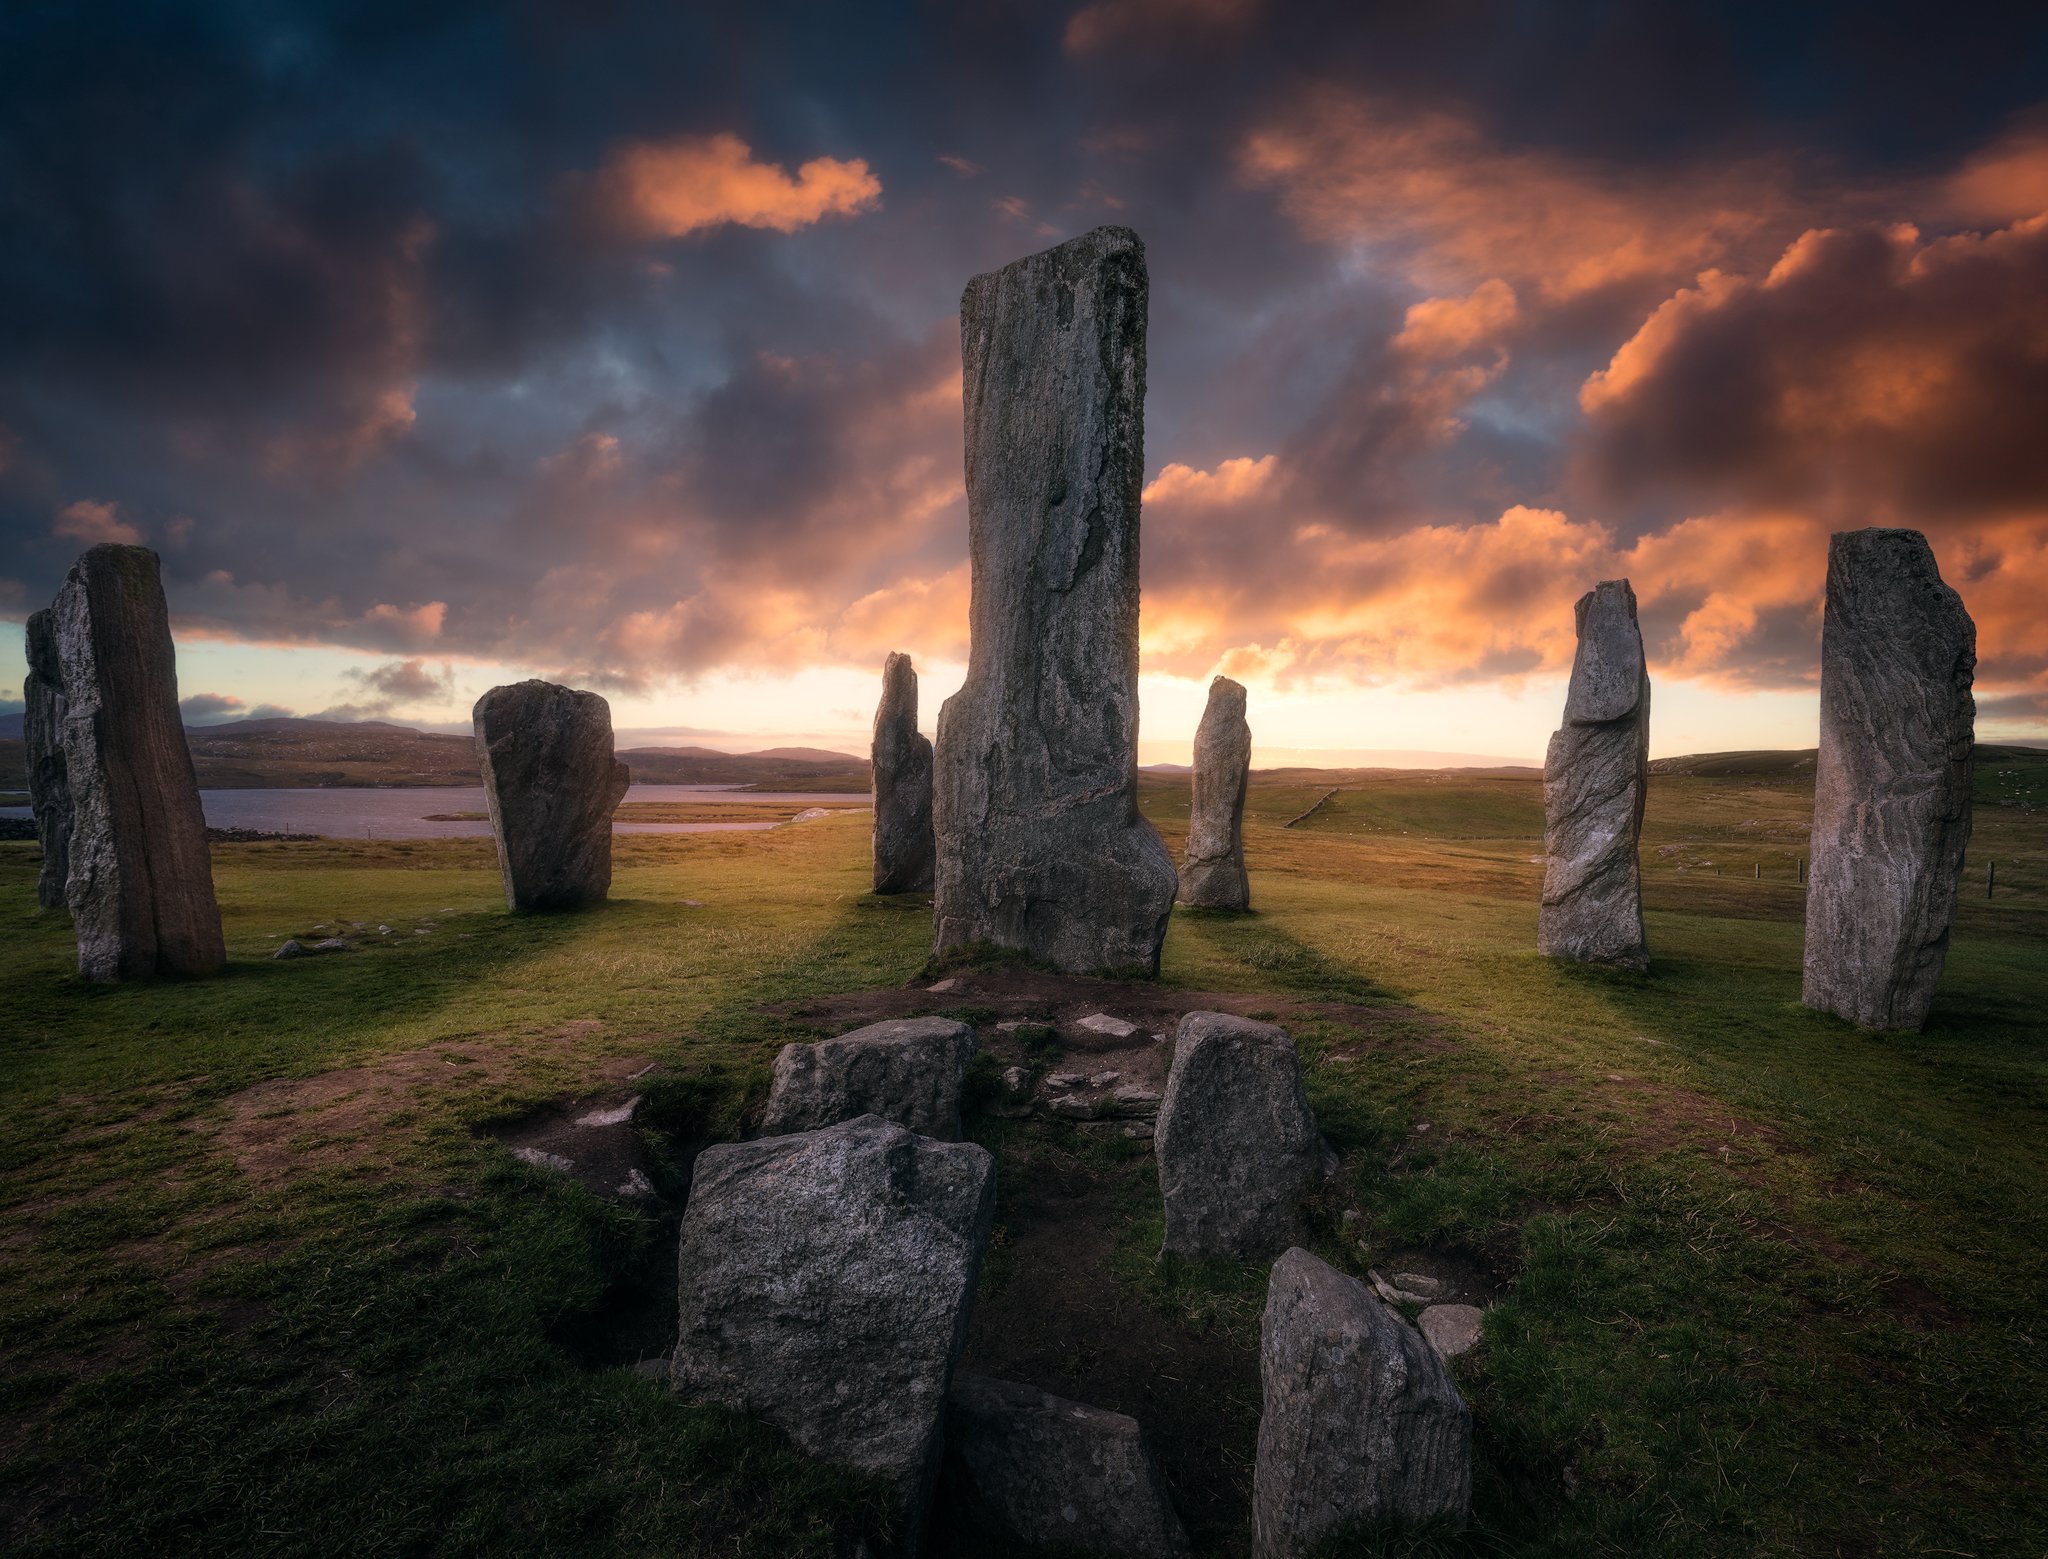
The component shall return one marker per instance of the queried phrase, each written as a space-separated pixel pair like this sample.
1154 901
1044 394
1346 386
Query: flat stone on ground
1451 1329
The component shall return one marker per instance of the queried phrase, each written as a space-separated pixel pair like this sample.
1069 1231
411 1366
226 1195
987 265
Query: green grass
1766 1285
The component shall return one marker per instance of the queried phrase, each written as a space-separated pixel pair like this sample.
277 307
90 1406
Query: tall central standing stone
552 784
903 785
1595 777
42 728
140 883
1213 876
1035 805
1891 792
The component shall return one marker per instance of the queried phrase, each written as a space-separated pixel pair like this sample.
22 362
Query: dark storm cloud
619 338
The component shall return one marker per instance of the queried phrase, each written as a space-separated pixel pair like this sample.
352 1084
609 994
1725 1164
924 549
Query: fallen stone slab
1103 1023
1892 786
1025 1466
1360 1421
1041 846
139 882
903 847
1596 776
906 1070
825 1282
1237 1144
1451 1329
552 785
1212 874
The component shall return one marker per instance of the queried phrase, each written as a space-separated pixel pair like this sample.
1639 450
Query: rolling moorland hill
289 753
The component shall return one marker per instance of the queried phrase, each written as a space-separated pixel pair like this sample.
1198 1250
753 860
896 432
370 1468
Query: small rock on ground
1451 1329
1103 1023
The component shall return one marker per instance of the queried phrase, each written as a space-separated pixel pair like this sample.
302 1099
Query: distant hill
1801 760
290 753
11 726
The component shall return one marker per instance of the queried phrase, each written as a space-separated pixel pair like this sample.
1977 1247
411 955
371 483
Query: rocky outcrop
825 1285
1213 875
903 786
1238 1147
1595 778
552 785
1360 1422
1026 1467
42 728
1040 845
906 1070
139 881
1891 792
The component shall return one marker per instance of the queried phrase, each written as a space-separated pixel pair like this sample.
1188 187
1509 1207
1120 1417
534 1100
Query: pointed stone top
1608 677
1227 694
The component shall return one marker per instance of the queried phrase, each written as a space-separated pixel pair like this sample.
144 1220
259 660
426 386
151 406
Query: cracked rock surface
1891 792
1595 778
1040 843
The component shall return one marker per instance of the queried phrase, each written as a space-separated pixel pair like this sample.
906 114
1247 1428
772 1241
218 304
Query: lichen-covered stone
42 726
1040 844
903 786
552 785
1213 875
825 1282
1238 1148
906 1070
1360 1421
1891 791
139 880
1595 778
1026 1467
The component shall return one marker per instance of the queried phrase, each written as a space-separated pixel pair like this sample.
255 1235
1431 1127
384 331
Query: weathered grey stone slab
1595 778
1237 1144
825 1285
1891 792
903 786
906 1070
1040 845
1024 1466
553 785
42 725
1213 875
1361 1422
139 880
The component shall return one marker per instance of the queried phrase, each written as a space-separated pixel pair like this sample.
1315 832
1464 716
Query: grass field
1761 1284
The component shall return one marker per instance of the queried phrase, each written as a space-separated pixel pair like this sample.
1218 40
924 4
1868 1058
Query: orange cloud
2006 180
93 523
1463 209
1451 327
669 189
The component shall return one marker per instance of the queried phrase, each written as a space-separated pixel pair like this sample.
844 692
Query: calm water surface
402 811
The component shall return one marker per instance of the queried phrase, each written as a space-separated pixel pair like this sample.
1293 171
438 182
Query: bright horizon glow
832 707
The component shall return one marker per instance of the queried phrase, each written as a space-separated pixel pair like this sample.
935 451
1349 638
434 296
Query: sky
434 346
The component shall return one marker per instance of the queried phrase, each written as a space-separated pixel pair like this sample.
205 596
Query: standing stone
42 729
1040 845
139 880
1595 778
906 1070
1361 1422
1213 876
1891 793
903 785
825 1285
552 784
1026 1467
1237 1144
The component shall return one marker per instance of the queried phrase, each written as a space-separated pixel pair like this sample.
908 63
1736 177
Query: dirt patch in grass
285 1127
1055 1314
